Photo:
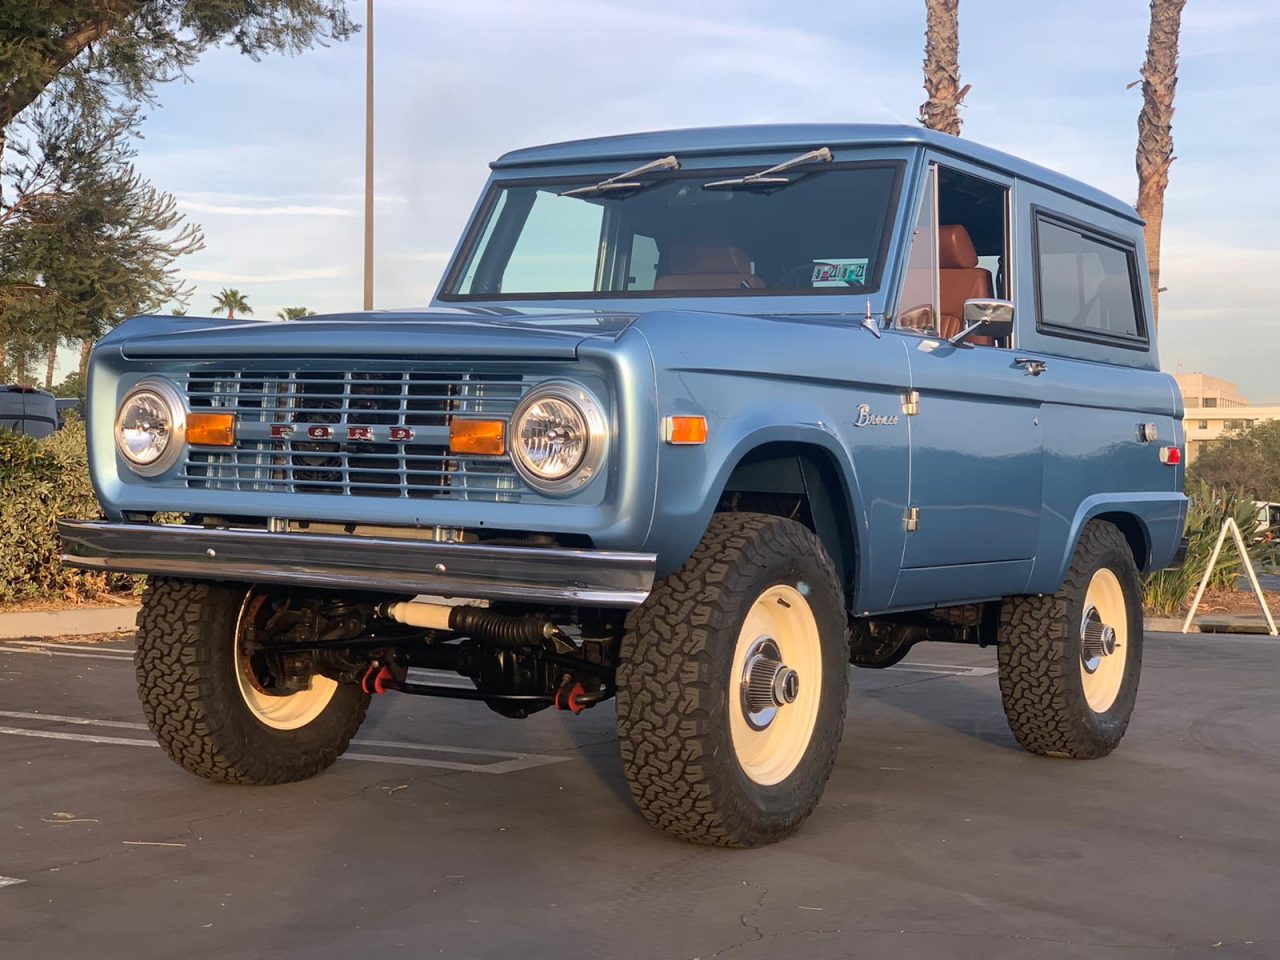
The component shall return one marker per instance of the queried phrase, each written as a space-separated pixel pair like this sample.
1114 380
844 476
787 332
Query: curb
77 621
1167 625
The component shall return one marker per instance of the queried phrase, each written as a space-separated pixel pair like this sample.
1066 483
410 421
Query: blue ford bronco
695 420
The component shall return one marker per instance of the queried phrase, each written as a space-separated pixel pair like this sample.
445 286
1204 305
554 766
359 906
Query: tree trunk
57 52
51 360
942 67
86 345
1155 130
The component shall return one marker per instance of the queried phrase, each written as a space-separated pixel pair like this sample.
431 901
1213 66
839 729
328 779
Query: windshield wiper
769 178
625 181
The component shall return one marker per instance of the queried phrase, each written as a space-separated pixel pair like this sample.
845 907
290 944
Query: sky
268 155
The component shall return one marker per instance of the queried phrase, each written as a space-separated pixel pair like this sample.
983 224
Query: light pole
368 159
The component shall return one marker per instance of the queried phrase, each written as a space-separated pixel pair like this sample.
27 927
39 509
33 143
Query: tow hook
379 678
575 698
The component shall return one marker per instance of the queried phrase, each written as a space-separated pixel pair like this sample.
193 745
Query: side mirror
986 318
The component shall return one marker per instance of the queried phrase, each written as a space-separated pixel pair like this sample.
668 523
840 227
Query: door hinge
911 403
913 519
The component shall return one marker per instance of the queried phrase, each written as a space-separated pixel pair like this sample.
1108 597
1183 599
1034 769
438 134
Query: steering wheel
791 279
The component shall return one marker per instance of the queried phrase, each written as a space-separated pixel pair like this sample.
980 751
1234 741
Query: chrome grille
362 432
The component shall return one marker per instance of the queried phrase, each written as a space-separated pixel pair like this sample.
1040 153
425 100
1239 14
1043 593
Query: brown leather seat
959 279
707 266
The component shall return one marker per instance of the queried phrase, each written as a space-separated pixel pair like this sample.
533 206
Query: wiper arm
625 181
770 178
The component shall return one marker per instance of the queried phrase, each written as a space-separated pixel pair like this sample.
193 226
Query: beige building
1216 408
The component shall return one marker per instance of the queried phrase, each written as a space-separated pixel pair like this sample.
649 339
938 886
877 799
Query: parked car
28 410
73 405
694 420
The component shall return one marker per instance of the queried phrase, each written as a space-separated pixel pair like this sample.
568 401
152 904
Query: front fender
691 479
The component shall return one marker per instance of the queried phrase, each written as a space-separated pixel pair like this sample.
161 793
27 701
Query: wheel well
801 482
1134 532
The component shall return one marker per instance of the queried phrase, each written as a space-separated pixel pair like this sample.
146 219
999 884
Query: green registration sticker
840 271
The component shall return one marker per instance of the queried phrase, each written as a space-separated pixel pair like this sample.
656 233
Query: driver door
973 519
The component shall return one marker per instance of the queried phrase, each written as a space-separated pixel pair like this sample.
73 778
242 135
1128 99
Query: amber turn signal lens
485 437
685 430
211 429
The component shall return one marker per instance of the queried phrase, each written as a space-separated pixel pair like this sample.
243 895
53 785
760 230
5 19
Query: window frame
1142 342
477 226
933 172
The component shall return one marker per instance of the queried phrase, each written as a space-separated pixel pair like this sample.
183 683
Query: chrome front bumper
534 574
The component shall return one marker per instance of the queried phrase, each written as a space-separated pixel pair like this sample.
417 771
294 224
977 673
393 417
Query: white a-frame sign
1230 525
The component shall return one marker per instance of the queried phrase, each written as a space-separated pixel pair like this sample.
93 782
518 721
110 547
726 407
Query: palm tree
232 301
294 313
1155 130
942 67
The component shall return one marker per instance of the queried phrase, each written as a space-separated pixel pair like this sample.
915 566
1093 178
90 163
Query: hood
434 333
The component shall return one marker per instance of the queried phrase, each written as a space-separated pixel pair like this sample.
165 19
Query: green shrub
1168 591
40 482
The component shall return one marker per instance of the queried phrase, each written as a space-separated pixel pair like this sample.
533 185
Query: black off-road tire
1040 653
186 670
674 685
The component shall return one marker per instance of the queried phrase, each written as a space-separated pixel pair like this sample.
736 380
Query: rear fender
1151 522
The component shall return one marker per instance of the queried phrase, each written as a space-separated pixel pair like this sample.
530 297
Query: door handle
1031 365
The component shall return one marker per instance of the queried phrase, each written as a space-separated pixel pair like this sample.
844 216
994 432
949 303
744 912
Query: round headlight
559 437
149 427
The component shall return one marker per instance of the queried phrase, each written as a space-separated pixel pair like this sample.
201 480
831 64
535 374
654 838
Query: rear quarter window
1086 284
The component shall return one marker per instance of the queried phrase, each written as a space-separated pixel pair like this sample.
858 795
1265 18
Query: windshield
684 234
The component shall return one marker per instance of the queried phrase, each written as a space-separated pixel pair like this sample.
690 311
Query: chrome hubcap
1097 640
767 684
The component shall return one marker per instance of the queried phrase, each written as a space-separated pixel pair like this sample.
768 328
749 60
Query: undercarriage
520 660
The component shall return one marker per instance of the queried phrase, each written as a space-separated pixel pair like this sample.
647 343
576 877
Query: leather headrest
706 258
955 248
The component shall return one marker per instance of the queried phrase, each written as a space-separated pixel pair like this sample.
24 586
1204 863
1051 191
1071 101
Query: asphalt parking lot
452 832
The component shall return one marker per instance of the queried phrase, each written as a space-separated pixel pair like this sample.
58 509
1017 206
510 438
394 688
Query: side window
959 252
552 252
642 263
1086 282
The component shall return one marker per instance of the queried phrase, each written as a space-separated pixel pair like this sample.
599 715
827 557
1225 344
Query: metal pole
368 160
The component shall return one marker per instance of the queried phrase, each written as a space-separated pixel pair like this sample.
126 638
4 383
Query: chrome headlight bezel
596 424
170 397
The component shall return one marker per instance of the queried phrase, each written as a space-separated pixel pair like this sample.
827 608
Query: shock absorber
487 626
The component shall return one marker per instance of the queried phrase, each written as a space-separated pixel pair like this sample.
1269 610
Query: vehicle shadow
965 705
595 741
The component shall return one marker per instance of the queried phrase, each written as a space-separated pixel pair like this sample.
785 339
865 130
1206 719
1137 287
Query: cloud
290 210
283 276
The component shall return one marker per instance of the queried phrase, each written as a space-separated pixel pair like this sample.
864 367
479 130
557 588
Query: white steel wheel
289 712
1104 640
1069 662
733 678
776 685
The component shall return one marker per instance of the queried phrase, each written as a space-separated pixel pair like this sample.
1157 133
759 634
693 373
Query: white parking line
10 881
84 721
85 648
944 669
508 762
7 648
82 737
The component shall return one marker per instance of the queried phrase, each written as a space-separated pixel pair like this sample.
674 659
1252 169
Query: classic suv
695 420
28 410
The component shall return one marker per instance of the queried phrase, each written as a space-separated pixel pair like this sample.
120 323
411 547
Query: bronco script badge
868 419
